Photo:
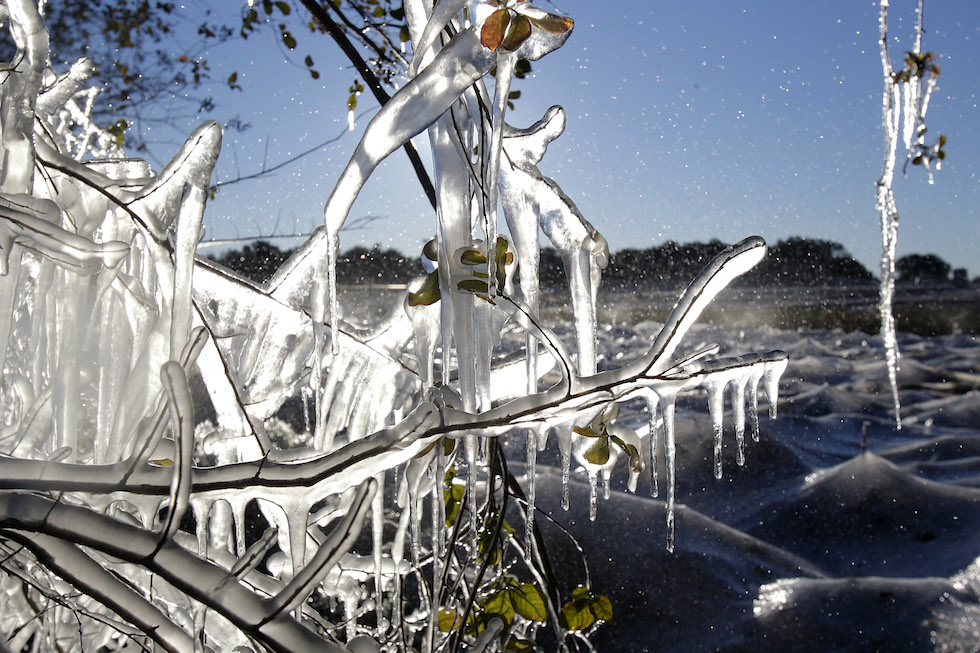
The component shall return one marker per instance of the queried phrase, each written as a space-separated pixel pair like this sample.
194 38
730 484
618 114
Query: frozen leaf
448 620
518 31
598 453
500 604
427 292
601 607
494 29
529 602
552 23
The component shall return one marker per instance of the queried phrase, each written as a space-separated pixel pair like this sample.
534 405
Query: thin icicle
564 436
377 550
667 410
593 483
770 380
653 401
716 407
532 456
737 387
753 393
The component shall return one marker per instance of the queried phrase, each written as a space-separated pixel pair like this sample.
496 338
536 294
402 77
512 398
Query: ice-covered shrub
107 314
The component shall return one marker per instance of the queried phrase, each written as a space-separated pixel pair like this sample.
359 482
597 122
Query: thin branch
364 70
283 164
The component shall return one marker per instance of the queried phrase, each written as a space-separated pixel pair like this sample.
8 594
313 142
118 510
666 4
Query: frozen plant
905 100
126 499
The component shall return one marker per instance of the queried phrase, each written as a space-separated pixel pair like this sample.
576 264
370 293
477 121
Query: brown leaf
553 24
492 34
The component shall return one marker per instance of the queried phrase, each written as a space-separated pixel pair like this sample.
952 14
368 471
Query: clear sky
686 121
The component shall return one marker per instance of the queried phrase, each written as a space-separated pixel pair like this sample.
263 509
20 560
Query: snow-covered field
838 534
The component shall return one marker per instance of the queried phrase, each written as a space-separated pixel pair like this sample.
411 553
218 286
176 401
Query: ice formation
905 100
108 318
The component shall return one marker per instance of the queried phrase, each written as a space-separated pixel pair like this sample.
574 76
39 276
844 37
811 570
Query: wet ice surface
812 544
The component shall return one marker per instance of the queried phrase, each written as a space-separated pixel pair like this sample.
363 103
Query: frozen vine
905 100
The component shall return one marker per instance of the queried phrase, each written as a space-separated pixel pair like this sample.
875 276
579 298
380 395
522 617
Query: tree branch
364 70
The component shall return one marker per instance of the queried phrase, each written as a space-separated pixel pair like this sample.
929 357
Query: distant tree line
358 265
792 262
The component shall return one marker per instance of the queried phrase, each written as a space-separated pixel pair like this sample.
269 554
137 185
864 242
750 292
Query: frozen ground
838 534
818 543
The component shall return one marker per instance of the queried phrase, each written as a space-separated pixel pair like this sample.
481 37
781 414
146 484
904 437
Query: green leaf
598 453
492 34
288 39
428 293
518 32
284 7
529 602
431 250
457 492
404 35
576 615
500 604
379 12
309 60
472 257
581 592
601 607
522 68
585 431
448 620
162 462
520 646
473 285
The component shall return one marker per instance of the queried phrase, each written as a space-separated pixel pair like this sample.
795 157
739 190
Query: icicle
532 456
350 120
471 447
716 406
305 394
201 508
754 377
220 527
737 387
415 507
667 410
377 541
593 482
652 403
770 380
438 531
564 433
440 520
238 505
333 244
606 484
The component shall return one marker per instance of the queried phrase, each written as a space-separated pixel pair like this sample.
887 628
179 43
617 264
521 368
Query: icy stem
716 406
532 455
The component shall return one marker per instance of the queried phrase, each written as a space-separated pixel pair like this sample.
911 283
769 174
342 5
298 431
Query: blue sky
686 121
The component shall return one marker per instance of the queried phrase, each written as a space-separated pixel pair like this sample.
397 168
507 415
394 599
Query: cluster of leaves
477 279
518 604
598 452
507 27
917 65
